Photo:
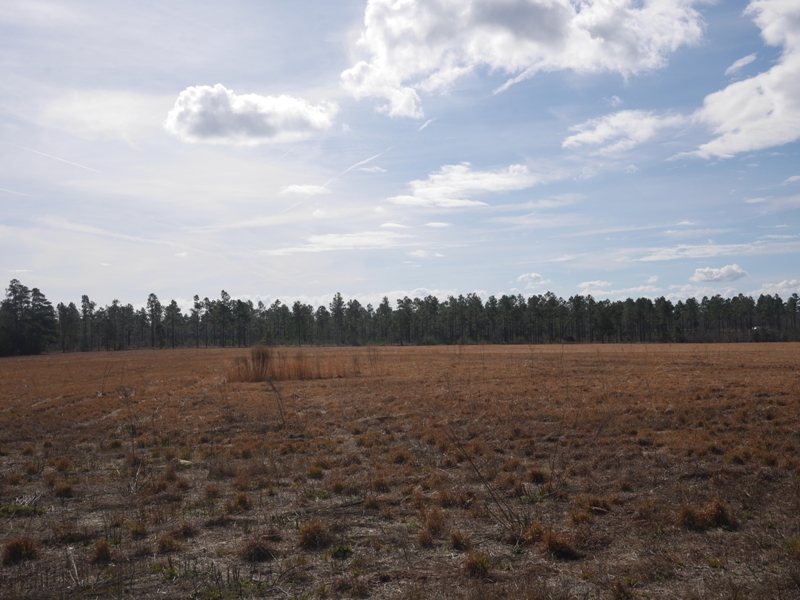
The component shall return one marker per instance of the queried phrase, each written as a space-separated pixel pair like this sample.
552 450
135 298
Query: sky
400 147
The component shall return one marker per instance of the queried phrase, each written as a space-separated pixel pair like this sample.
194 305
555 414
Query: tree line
29 324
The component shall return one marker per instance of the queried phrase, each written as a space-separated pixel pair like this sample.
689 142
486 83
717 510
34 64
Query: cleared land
457 472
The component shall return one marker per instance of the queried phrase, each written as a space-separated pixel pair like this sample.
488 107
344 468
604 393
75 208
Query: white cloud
696 251
621 131
792 179
762 111
726 273
182 254
615 101
437 225
742 62
755 200
418 254
453 185
372 170
425 124
415 46
682 292
216 115
365 240
652 279
640 290
784 288
108 114
532 280
303 190
393 226
594 284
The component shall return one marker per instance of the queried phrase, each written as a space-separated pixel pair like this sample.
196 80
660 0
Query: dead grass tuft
314 536
711 515
19 550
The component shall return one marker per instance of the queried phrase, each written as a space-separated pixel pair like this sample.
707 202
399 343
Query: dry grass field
420 472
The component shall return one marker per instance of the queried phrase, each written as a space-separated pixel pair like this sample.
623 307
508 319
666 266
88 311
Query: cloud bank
424 46
216 115
453 185
727 273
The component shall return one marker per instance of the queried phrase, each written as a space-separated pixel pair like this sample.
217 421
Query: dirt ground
578 471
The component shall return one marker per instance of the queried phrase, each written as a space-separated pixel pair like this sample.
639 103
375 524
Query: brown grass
575 471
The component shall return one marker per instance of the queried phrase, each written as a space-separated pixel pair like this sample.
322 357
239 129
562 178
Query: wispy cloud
351 167
742 62
621 131
64 160
453 186
17 193
365 240
303 190
424 125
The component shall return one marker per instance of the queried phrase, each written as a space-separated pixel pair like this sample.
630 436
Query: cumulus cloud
532 280
594 284
621 131
216 115
453 185
303 190
418 46
762 111
726 273
785 288
739 64
365 240
792 179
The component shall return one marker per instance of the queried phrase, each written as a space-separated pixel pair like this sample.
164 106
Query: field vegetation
536 472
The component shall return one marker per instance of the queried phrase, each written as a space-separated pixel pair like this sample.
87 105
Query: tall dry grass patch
271 364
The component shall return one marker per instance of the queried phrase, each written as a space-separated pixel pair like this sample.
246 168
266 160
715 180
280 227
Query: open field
617 471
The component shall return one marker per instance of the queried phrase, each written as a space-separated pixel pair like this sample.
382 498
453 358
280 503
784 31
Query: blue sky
292 150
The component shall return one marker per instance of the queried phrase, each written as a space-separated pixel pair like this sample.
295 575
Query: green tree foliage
28 323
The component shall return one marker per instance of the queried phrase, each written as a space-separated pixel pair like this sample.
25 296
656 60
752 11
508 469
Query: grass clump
477 565
709 516
101 553
19 550
314 536
13 510
258 549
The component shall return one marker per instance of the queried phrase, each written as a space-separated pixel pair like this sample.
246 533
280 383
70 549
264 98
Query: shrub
19 550
314 536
